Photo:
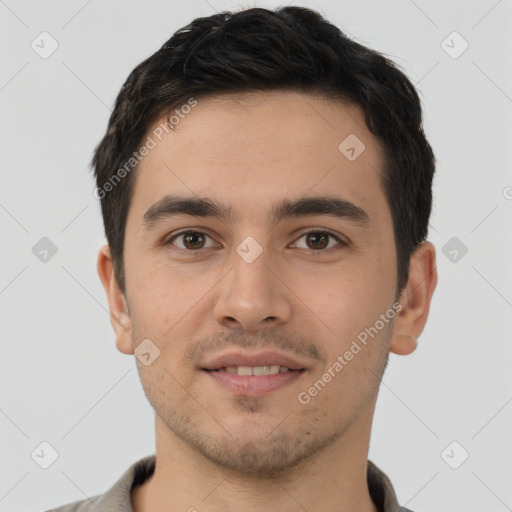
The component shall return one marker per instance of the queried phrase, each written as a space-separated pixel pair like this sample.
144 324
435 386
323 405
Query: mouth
245 374
257 371
253 381
260 363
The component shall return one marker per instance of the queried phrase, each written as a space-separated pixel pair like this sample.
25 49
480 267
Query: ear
415 300
119 313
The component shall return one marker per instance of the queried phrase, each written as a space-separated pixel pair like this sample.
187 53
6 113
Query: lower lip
253 385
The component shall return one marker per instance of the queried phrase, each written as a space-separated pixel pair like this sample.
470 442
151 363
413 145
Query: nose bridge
251 295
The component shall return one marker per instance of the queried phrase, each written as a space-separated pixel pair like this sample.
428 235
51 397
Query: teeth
266 370
255 370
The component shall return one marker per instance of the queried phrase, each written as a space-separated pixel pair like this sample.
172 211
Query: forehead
251 150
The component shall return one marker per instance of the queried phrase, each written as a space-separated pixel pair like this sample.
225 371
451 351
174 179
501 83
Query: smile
252 381
254 370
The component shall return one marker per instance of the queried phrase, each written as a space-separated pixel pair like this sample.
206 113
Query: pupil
319 240
193 240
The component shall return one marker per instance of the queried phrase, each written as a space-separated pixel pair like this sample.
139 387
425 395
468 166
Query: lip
265 358
252 385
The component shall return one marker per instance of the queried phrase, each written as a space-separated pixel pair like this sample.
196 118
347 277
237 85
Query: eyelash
341 243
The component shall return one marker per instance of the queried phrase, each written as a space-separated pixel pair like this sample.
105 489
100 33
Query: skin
217 451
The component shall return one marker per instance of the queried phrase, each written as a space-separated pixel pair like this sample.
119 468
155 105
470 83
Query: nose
252 296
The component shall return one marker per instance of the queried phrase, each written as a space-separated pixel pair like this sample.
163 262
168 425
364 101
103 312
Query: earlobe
415 300
403 344
119 312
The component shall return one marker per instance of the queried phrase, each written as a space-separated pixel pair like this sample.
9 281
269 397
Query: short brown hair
290 48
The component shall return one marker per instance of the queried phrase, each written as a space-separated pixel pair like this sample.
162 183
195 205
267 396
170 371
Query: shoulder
382 491
79 506
118 497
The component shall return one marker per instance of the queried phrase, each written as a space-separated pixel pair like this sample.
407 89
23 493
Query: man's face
266 285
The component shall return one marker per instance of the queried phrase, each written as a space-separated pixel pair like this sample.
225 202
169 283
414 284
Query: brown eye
317 240
191 241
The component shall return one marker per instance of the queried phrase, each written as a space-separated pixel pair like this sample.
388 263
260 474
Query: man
265 185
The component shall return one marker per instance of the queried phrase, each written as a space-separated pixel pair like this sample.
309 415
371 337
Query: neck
184 480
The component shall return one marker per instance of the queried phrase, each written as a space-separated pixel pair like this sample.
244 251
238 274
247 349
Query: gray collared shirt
118 497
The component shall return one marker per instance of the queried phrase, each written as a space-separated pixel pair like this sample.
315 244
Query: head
293 163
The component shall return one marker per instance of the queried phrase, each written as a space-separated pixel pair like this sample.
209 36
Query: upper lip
257 359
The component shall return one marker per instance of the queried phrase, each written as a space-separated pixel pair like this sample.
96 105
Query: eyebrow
171 205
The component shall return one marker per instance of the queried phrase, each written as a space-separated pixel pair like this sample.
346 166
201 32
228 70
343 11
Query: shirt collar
118 497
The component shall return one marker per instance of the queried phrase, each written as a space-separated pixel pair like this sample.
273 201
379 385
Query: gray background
61 378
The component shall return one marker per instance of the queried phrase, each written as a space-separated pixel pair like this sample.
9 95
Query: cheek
349 313
167 301
345 301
